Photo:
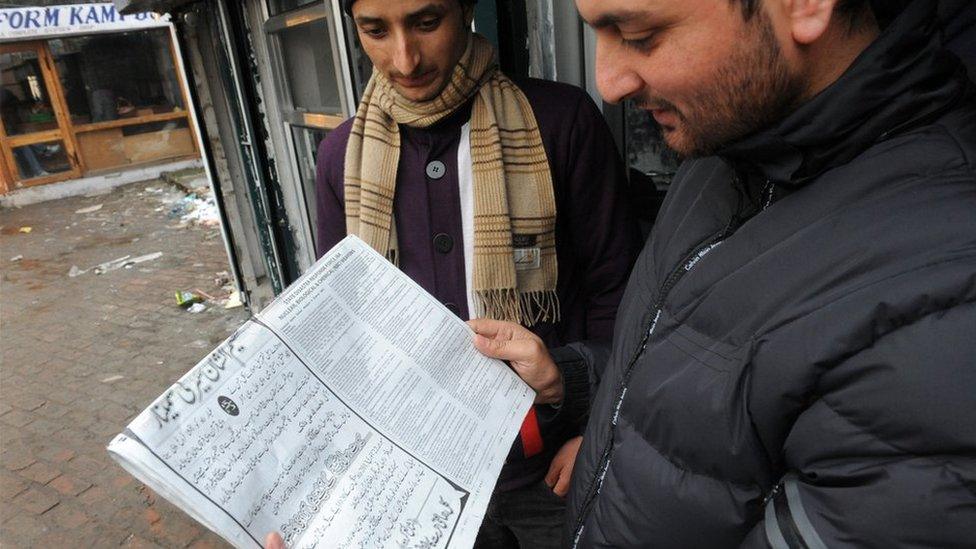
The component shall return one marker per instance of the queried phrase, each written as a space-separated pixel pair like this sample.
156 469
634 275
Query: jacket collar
902 80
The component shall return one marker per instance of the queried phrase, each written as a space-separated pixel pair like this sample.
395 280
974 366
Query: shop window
309 70
41 159
24 100
277 7
117 76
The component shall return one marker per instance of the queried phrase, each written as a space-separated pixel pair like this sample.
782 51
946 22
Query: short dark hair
855 12
347 5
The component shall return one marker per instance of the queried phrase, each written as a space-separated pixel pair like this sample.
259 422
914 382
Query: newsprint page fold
354 411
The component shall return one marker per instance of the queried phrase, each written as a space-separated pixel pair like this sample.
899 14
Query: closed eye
641 44
429 24
374 32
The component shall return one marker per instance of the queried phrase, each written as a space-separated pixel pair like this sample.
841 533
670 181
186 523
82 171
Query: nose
615 80
406 55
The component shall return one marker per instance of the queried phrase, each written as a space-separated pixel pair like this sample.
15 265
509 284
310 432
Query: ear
809 19
467 12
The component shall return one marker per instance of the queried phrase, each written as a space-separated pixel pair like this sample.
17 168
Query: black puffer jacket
794 363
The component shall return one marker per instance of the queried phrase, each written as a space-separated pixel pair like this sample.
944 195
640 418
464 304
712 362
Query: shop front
87 91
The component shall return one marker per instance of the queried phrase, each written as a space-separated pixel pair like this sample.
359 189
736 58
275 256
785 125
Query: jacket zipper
683 267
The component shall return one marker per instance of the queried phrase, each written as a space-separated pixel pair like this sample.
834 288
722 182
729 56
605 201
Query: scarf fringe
526 308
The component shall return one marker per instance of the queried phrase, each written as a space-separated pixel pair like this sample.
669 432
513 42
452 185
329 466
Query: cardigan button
436 169
443 243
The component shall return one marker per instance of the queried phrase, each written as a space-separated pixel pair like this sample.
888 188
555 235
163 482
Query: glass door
310 88
35 136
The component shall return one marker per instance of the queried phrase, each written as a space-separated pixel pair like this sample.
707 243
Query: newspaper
354 411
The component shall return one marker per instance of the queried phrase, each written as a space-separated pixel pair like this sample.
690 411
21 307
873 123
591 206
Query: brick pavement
65 341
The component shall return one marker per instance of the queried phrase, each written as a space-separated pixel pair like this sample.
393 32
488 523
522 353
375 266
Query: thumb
553 475
274 541
562 486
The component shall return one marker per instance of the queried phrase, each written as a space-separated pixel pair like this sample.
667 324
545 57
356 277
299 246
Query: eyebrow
616 18
429 9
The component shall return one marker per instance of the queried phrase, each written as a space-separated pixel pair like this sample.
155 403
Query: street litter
234 301
197 308
111 265
196 207
204 294
204 212
125 262
221 279
147 257
89 209
112 379
16 258
185 299
26 230
75 271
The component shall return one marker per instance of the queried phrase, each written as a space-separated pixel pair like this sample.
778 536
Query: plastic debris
204 213
181 208
17 258
147 257
75 271
185 299
113 265
125 262
26 230
90 209
112 379
197 308
197 207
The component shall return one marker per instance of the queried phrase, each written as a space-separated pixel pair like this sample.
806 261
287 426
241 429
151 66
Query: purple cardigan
597 239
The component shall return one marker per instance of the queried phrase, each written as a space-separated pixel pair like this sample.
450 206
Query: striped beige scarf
514 274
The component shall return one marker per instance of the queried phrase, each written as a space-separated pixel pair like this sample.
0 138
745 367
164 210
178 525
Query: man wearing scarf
502 199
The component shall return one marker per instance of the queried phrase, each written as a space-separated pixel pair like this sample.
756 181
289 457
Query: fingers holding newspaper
524 351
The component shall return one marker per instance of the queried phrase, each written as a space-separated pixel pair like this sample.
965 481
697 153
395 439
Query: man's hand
525 352
561 468
274 541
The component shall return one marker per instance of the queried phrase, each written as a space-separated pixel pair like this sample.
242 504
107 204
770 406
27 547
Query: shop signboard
31 22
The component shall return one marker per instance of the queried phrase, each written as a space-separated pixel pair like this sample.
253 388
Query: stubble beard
753 90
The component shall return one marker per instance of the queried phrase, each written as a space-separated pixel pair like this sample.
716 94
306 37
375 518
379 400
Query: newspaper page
353 412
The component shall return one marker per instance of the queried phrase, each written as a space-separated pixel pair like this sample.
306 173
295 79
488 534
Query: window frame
64 132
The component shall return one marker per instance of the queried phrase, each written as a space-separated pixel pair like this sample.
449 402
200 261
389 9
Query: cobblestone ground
82 355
